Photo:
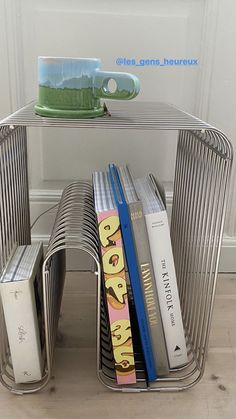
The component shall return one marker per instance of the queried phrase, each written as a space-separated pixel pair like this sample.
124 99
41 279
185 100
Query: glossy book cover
132 263
115 288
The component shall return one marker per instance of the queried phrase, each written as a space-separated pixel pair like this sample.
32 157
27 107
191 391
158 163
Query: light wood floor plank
76 393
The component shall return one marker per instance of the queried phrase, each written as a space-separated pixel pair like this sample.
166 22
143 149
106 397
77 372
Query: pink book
115 279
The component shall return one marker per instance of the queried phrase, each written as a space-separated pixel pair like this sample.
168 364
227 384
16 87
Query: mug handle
128 85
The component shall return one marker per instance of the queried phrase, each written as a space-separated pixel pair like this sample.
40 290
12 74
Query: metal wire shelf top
132 115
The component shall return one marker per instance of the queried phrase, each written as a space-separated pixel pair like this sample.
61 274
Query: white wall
111 30
216 101
5 101
136 29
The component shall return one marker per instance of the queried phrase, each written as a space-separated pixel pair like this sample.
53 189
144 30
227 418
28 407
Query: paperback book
113 264
132 263
164 269
21 295
146 272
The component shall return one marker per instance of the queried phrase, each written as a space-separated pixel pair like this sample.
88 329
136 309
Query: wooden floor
75 392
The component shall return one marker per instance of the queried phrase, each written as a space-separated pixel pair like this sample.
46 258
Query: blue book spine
131 258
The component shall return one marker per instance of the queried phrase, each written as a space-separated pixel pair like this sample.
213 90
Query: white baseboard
82 262
43 199
228 255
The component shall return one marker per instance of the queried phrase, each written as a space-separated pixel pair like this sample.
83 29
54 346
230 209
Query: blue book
131 258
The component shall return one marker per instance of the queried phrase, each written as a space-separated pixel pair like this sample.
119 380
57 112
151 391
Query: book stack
139 285
134 232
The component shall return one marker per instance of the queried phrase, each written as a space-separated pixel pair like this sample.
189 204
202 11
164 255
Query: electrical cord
40 215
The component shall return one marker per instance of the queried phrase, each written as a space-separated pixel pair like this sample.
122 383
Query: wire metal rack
202 174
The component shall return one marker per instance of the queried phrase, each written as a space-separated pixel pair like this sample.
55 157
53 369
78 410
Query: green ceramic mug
72 87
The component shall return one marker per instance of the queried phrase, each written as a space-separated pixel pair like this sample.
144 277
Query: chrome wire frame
75 227
202 174
14 219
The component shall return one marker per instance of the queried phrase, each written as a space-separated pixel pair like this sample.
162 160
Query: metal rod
201 187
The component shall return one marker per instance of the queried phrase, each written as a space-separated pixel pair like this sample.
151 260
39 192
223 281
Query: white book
164 269
19 294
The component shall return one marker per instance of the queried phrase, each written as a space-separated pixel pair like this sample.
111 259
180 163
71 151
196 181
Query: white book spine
19 308
164 269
